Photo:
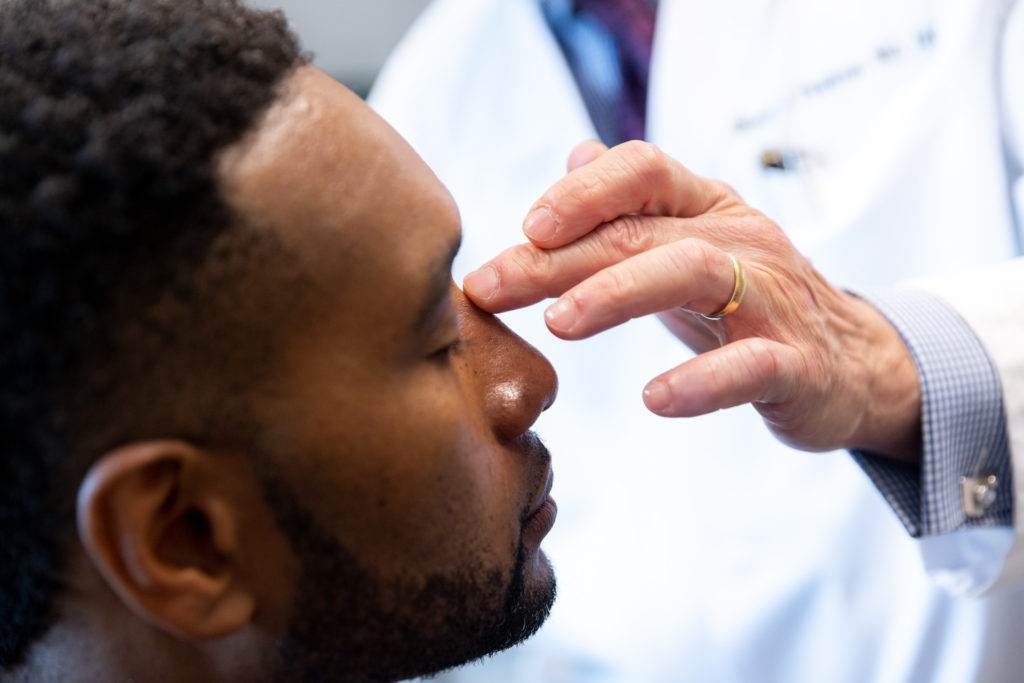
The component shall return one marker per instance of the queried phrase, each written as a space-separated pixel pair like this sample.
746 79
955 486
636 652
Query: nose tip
551 382
515 403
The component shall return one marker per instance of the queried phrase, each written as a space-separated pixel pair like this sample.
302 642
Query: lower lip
540 522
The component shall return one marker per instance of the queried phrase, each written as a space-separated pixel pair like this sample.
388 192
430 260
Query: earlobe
162 530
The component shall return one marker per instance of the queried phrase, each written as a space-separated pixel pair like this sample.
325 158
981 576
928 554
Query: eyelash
449 350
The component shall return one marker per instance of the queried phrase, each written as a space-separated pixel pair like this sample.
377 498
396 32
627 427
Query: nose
516 382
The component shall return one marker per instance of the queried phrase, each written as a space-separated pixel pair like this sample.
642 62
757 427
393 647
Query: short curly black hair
112 114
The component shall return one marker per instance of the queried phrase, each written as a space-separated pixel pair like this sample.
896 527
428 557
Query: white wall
349 38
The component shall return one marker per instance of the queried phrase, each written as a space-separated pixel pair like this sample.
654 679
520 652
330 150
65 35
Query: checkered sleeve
962 420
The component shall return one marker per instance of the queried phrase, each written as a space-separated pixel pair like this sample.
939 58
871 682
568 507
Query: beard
350 624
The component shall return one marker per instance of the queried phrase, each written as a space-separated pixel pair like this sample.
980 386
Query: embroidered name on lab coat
882 56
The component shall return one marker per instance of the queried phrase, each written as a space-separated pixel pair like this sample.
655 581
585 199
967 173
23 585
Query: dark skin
398 419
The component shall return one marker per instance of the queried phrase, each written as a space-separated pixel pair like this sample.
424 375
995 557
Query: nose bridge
516 382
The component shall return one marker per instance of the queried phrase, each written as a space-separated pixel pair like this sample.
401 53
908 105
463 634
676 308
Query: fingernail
656 396
561 315
481 284
540 224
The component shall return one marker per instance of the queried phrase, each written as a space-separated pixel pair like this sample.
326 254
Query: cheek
454 498
413 479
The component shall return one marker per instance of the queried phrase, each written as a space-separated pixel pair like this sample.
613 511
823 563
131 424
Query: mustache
531 447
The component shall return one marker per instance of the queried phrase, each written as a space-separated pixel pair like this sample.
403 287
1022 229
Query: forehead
343 192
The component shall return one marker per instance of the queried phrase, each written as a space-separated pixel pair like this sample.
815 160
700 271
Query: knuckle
639 150
646 160
628 234
762 362
586 187
591 186
709 259
697 256
726 200
651 153
617 286
756 224
718 373
658 173
724 190
533 264
693 257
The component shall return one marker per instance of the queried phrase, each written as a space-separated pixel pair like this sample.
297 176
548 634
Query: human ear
160 521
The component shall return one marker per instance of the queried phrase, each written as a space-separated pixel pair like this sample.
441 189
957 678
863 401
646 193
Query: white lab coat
704 550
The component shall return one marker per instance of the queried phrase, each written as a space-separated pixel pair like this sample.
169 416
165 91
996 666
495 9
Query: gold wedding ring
738 290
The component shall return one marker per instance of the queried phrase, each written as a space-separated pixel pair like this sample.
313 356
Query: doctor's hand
631 232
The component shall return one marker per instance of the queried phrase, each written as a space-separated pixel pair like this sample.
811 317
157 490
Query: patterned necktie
607 44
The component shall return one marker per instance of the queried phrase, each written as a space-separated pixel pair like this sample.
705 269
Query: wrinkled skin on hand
630 232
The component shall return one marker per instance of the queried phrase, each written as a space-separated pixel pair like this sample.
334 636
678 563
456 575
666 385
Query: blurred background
349 39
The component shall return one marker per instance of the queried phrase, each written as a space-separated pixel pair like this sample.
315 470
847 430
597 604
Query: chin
346 625
539 574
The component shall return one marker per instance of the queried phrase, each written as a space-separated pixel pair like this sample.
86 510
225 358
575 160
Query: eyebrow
438 286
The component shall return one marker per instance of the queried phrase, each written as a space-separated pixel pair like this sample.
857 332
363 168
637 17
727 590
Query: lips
539 517
537 456
545 494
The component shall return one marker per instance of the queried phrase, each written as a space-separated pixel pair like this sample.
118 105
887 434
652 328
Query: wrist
890 423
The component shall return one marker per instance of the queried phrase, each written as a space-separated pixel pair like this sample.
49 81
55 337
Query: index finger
634 177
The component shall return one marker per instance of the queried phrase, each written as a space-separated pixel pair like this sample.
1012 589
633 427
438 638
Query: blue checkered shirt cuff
962 421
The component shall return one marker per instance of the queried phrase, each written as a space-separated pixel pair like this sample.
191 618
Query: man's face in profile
399 462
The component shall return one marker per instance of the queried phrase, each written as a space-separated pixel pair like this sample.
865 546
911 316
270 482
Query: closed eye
452 349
